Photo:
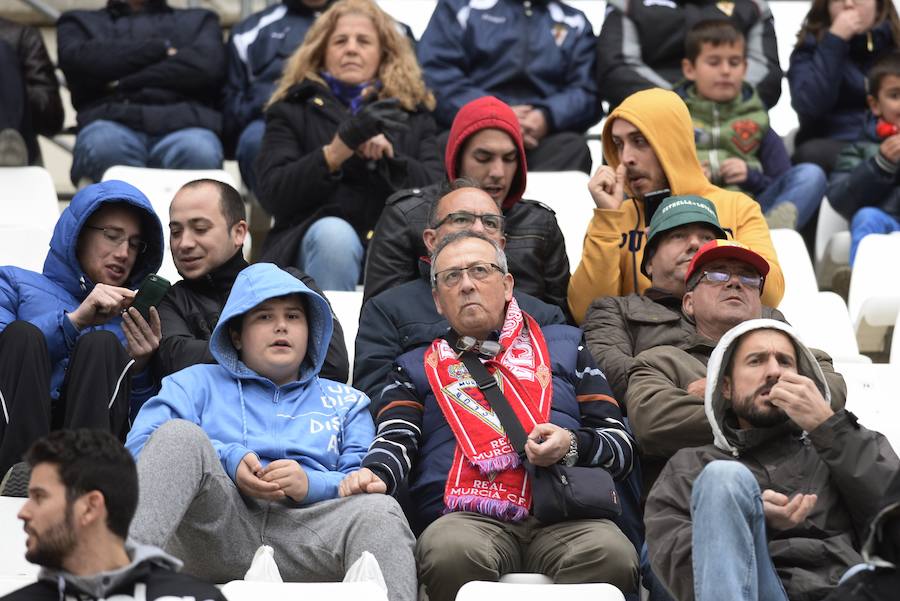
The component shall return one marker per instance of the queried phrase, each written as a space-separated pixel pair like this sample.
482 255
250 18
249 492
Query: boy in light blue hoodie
251 450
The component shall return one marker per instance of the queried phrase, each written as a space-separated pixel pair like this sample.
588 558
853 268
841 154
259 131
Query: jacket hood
100 584
259 283
485 113
663 118
61 264
725 435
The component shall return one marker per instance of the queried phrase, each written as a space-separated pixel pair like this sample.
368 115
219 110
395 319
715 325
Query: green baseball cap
676 211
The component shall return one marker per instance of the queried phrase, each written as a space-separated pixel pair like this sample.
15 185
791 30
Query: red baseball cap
726 249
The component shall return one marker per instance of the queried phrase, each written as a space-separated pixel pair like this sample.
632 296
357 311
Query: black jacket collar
220 280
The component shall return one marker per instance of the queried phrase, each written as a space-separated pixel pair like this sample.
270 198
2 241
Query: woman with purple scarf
348 125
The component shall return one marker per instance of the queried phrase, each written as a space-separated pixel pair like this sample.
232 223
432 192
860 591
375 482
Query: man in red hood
485 145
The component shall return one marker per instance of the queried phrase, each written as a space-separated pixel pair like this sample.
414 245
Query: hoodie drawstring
61 587
243 412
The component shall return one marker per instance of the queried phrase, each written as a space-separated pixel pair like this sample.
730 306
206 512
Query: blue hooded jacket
43 299
323 425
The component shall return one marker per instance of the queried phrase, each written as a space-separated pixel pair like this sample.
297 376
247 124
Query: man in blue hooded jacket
256 445
70 354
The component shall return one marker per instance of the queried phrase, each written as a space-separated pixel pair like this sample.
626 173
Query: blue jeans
730 551
802 185
248 146
331 254
869 220
102 144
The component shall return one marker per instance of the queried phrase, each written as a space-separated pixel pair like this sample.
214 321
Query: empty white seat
872 396
160 186
242 590
30 211
832 243
15 570
823 323
478 590
347 305
565 192
799 275
874 299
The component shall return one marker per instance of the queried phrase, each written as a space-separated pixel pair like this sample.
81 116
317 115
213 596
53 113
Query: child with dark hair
865 185
735 143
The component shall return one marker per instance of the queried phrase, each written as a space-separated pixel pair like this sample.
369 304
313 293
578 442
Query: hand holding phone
151 292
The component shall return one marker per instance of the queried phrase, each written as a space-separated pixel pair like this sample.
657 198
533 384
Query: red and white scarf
487 476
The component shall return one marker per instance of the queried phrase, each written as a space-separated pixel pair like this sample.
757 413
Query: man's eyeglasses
477 271
116 236
718 278
465 219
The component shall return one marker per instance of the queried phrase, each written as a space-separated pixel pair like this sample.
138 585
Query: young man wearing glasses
724 283
72 351
404 317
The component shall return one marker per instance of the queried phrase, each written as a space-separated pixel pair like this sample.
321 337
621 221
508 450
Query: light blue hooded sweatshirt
322 424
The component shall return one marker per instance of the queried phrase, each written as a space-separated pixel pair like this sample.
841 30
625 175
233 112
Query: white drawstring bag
366 569
263 567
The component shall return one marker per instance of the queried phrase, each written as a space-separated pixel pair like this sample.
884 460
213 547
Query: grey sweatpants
190 507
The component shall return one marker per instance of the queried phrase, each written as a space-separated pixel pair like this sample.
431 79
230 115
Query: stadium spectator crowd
225 415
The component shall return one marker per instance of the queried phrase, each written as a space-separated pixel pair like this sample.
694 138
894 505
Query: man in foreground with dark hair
82 496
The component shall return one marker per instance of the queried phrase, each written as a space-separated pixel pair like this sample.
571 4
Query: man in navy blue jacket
537 56
72 352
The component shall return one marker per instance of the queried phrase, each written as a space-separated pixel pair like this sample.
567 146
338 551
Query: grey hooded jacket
846 465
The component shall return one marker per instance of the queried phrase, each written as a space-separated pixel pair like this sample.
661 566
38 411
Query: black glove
376 118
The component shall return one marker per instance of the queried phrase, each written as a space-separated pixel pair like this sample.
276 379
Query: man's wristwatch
571 456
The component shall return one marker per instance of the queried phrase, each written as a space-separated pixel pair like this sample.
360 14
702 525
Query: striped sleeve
398 425
603 439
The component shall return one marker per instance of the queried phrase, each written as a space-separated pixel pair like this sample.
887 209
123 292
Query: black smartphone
652 200
151 292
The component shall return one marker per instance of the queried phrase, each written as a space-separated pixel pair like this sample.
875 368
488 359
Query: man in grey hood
776 508
82 495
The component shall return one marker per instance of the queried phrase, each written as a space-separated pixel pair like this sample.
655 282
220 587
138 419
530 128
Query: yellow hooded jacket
614 243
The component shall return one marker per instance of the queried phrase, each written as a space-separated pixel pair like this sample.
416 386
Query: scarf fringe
502 510
498 464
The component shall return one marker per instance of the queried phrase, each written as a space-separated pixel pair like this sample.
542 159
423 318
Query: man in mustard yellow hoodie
648 143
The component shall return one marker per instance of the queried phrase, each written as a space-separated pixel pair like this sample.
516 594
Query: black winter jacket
118 67
45 111
191 309
403 318
296 187
534 246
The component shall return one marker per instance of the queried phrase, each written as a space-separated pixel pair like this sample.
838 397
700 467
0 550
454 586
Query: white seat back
347 305
871 396
478 590
160 186
30 214
242 590
823 322
565 192
874 300
832 243
799 275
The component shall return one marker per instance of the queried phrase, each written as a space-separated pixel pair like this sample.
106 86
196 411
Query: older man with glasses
73 352
438 431
404 317
723 287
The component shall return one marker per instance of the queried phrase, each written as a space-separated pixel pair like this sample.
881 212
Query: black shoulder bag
560 493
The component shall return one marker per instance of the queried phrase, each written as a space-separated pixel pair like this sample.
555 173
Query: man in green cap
617 328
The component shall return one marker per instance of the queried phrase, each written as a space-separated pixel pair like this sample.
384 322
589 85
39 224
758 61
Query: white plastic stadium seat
160 186
565 192
242 590
30 212
823 323
832 243
347 305
872 396
874 300
799 275
15 571
478 590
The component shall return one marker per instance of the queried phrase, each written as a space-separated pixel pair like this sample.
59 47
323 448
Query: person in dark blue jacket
537 56
838 43
257 50
145 80
467 484
72 352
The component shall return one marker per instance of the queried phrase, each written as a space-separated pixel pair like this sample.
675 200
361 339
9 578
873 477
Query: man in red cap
485 145
666 388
